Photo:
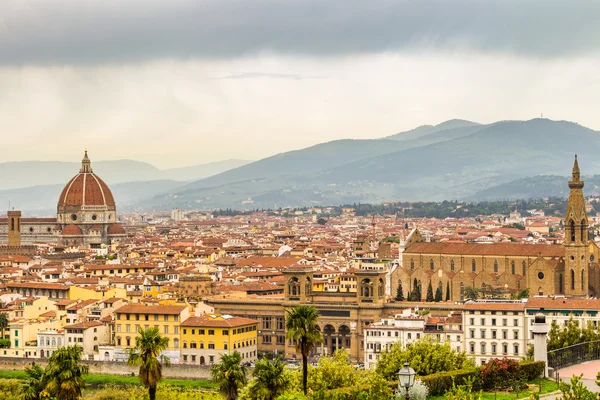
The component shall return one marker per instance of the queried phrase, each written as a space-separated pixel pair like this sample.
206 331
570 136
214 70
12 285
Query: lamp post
406 378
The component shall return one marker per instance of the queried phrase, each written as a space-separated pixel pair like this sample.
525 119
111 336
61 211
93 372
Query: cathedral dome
86 189
72 230
116 229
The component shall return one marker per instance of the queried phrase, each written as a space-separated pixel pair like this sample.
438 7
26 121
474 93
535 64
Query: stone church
86 215
570 269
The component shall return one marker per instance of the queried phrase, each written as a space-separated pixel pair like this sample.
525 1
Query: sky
186 82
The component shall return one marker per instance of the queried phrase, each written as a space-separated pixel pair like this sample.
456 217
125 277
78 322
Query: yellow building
204 339
133 317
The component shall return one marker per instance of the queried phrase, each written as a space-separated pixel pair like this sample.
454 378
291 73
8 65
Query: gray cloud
99 31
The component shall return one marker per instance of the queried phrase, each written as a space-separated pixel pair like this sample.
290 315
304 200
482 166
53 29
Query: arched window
462 291
560 284
294 287
473 265
225 346
524 268
412 264
176 343
572 228
431 264
308 286
512 267
582 279
572 280
583 231
495 265
452 265
59 342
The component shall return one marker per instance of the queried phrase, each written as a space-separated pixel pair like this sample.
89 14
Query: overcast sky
181 82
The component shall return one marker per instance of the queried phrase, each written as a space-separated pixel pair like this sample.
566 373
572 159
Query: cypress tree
448 291
429 292
399 292
438 294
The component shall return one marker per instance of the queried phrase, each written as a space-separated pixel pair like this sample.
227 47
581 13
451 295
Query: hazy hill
34 173
452 163
536 187
429 129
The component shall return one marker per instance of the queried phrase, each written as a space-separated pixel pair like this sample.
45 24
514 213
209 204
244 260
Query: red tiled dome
86 189
72 230
116 229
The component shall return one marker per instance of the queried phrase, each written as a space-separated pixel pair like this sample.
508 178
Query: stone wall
115 368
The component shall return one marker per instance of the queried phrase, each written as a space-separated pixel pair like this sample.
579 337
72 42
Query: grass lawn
548 386
98 380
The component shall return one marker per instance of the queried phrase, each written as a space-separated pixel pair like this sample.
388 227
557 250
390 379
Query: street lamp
406 378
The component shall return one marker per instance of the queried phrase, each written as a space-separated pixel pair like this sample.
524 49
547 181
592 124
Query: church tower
14 228
576 238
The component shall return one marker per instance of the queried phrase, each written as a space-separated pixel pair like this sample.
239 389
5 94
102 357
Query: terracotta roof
37 285
86 189
115 229
500 249
72 230
494 306
142 309
83 325
562 303
218 321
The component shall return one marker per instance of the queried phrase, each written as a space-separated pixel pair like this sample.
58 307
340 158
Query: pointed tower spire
576 182
576 174
86 164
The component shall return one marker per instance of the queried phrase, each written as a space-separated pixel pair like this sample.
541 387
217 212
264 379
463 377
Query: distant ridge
454 160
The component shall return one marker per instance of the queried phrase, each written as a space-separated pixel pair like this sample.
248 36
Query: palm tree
3 322
471 293
33 386
301 327
64 373
270 378
146 353
229 375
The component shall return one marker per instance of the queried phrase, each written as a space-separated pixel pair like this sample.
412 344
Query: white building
495 329
380 336
177 214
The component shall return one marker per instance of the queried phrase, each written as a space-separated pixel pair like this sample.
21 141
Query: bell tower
576 238
14 228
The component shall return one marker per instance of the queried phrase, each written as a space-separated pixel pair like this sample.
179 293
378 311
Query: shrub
443 382
532 370
4 343
418 391
500 373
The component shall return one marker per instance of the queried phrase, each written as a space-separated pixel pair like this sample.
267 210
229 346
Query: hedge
443 382
532 370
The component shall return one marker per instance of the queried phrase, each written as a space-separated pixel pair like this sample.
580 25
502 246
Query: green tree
3 323
576 390
270 378
429 296
34 385
561 336
471 293
438 294
147 355
229 375
426 356
416 292
333 372
448 291
399 292
301 328
64 373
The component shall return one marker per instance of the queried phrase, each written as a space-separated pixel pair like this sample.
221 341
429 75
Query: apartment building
495 329
204 339
380 336
130 318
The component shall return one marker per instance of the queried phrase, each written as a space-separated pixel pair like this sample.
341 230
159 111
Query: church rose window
94 217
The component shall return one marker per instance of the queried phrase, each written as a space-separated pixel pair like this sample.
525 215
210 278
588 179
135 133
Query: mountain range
455 160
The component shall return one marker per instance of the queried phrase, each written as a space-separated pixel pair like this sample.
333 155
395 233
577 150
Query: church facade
86 216
570 269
